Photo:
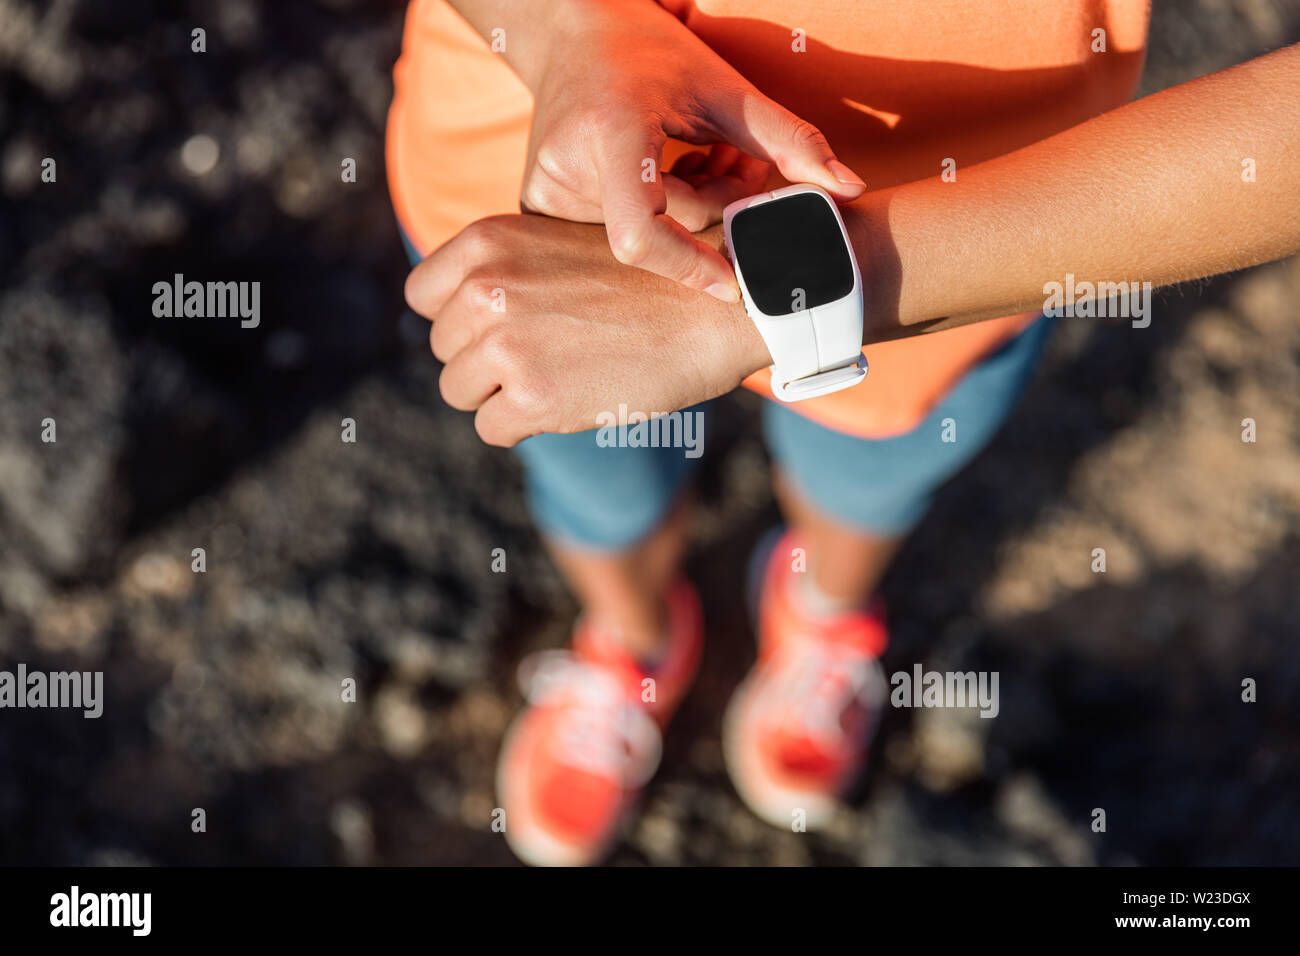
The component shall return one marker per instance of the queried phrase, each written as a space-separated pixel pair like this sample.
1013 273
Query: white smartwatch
801 286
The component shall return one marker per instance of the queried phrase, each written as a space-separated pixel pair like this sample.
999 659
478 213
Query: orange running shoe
796 732
573 763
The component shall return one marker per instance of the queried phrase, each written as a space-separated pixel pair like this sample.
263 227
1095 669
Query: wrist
555 27
567 25
739 335
796 264
867 222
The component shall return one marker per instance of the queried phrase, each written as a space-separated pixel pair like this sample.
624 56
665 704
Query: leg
574 759
614 519
854 500
797 731
844 565
623 590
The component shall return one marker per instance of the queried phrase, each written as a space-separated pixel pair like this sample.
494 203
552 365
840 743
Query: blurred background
371 560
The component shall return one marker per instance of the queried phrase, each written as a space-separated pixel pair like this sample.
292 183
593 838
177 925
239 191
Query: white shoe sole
770 801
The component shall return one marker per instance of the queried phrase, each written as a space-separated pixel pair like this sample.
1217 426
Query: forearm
529 29
524 26
1150 192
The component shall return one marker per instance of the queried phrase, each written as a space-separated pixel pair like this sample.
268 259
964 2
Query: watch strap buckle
820 383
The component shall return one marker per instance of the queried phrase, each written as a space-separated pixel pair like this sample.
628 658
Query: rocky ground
328 560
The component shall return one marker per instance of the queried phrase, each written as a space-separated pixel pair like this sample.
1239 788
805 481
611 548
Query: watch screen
791 253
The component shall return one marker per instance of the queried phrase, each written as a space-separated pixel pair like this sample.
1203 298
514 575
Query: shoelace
819 685
600 729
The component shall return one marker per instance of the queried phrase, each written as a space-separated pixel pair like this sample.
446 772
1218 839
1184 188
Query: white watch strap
815 340
816 351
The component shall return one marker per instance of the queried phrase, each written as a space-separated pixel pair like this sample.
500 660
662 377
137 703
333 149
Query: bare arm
612 80
530 28
1152 191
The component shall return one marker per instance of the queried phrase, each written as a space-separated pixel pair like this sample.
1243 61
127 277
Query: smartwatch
801 286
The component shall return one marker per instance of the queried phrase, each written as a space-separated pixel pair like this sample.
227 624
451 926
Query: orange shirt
897 87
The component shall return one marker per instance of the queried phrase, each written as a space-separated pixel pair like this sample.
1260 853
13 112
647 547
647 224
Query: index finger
633 201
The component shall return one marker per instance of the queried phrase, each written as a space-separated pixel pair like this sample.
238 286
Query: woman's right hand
612 81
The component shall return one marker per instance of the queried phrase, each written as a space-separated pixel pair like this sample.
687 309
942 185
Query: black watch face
791 253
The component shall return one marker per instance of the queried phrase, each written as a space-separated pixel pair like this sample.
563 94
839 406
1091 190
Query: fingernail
724 291
843 174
